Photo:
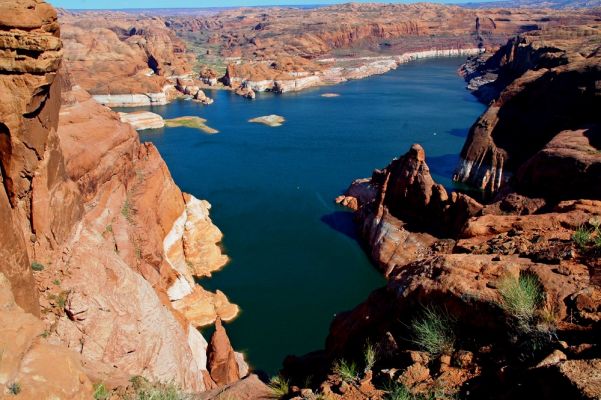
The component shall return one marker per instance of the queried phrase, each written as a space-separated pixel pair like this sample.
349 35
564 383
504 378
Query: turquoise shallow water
295 258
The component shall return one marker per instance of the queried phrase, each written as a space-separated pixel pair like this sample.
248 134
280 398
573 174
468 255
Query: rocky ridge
82 197
453 264
288 49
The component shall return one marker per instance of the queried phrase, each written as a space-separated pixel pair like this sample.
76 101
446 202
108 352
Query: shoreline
377 65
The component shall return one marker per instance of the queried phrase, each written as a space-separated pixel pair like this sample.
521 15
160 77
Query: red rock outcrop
548 82
113 243
286 49
453 253
460 269
122 54
222 363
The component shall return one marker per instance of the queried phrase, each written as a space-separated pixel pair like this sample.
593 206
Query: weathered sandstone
97 216
141 120
553 74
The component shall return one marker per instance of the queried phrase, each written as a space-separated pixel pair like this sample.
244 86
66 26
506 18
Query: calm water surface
295 259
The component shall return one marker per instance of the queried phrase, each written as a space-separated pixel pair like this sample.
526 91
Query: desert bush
398 391
369 356
587 238
521 297
347 371
14 388
279 386
36 266
101 392
433 331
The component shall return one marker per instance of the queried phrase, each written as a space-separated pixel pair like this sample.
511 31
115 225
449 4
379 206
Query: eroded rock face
40 369
222 362
549 84
117 54
114 240
461 268
30 55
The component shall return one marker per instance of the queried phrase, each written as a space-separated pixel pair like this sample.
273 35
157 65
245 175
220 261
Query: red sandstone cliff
451 254
99 245
553 74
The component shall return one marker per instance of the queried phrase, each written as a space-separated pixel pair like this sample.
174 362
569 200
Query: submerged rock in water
190 122
269 120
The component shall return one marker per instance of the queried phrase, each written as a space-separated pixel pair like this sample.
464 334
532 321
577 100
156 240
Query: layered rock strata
554 74
123 60
96 236
453 256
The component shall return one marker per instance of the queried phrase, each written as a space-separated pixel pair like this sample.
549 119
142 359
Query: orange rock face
121 54
113 241
552 74
290 46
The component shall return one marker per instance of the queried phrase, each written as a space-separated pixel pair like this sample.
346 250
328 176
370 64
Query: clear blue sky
204 3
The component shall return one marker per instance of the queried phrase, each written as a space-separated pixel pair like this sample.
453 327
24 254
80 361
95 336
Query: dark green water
296 261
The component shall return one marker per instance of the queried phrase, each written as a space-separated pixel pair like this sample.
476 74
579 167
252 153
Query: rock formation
553 74
142 120
95 234
450 259
289 49
124 60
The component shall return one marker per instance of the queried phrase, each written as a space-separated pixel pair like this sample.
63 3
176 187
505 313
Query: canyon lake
295 258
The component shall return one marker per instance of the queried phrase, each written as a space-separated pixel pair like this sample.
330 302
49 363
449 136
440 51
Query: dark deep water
295 258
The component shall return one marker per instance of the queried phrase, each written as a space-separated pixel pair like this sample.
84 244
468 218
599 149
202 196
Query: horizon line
449 2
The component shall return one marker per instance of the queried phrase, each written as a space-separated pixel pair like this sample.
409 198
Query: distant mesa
330 95
190 122
269 120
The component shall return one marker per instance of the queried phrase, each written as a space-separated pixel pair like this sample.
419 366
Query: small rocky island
269 120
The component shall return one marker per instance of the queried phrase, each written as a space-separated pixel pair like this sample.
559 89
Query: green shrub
521 297
369 356
585 238
279 386
36 266
160 392
582 237
101 392
433 331
347 371
397 391
14 388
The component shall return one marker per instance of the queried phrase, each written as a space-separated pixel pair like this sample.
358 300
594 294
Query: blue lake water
295 259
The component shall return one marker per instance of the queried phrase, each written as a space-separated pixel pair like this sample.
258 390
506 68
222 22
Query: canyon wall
449 258
554 75
100 247
123 60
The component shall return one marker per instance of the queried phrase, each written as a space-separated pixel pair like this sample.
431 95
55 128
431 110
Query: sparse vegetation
56 282
347 371
433 331
397 391
45 334
160 392
279 386
36 266
127 211
144 390
14 388
588 238
101 392
521 297
59 300
369 356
